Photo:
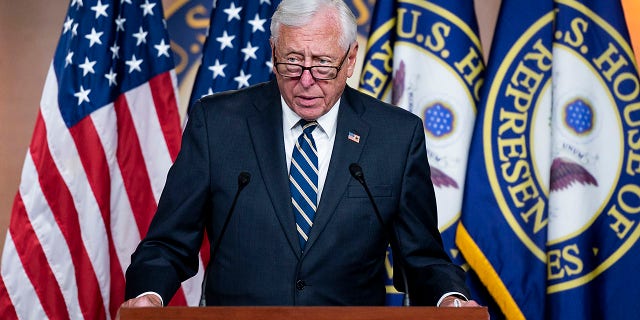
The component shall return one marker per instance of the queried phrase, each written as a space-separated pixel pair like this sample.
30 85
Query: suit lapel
345 152
268 143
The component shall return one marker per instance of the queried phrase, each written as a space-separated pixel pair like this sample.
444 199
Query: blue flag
237 53
426 57
549 219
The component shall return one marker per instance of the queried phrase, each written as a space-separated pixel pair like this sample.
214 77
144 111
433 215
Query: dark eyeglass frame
311 68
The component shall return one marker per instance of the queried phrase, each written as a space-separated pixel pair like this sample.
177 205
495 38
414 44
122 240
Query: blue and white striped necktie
303 180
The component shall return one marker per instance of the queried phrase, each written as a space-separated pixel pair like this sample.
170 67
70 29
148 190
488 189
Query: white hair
297 13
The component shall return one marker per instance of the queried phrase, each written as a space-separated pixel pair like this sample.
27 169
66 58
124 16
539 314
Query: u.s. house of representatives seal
563 137
438 70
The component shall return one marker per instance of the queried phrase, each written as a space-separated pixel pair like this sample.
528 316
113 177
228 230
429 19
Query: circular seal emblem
563 130
438 68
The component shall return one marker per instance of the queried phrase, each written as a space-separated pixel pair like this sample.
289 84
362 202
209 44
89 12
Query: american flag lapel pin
354 137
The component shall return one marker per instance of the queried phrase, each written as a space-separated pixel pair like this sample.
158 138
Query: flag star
249 52
125 1
257 23
163 48
242 79
269 65
78 2
114 51
94 37
120 23
67 60
218 69
225 40
141 36
74 29
87 66
232 12
82 95
134 64
67 24
100 9
265 1
111 76
147 8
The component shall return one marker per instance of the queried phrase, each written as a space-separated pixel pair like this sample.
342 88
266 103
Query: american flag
237 52
107 131
354 137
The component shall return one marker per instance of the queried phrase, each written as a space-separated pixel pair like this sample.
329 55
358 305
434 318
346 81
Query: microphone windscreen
244 178
356 172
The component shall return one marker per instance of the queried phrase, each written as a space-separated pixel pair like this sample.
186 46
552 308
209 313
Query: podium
306 313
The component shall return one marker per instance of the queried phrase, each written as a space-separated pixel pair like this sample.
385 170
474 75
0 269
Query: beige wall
29 31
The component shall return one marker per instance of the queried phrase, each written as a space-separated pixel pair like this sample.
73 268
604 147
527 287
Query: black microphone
243 180
358 174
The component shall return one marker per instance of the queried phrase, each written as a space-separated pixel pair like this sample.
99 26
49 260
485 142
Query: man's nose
306 79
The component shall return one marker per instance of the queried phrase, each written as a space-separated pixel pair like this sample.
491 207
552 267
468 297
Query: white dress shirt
324 135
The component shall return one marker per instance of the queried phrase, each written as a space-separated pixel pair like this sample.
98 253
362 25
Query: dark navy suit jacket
260 261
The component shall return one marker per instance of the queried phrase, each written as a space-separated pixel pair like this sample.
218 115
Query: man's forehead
313 47
321 51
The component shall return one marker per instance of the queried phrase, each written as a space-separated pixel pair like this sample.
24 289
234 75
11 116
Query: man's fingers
147 300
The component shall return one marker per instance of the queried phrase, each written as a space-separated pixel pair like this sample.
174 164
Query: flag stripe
147 128
116 291
24 298
137 112
125 233
33 258
56 192
103 121
132 167
7 310
93 157
88 235
162 90
124 227
179 299
49 236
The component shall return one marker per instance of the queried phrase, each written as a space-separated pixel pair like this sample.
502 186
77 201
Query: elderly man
306 229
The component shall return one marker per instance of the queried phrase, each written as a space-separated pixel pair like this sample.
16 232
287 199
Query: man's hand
147 300
453 301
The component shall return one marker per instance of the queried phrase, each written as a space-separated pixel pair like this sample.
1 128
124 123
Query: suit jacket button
300 284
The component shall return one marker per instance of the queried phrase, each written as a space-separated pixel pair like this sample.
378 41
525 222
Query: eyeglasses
293 70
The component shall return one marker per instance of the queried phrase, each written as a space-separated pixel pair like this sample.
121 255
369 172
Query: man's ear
351 59
273 55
